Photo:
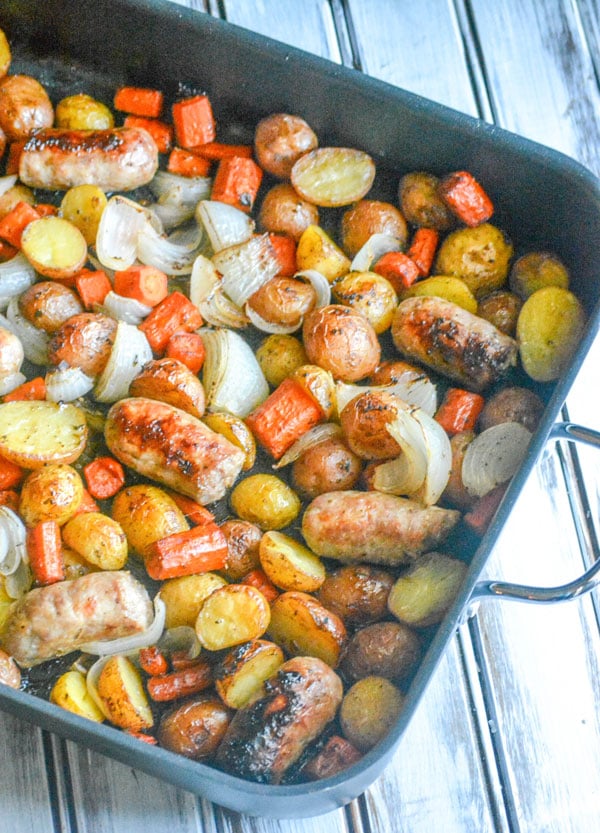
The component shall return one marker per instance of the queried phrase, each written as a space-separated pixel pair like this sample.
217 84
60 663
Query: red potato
84 341
24 107
280 140
342 341
48 304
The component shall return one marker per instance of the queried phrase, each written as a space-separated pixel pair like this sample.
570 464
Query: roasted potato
316 250
236 431
265 500
392 370
34 433
84 341
369 710
512 404
231 615
24 107
328 466
370 294
9 671
342 341
289 564
82 112
5 54
370 217
536 270
75 566
549 328
303 627
50 493
422 595
455 493
170 381
54 247
48 304
18 193
244 669
146 513
279 355
243 539
196 728
357 593
70 692
335 756
281 139
185 595
333 176
97 538
82 206
480 256
364 422
443 286
121 692
283 210
319 384
501 308
384 649
283 301
421 202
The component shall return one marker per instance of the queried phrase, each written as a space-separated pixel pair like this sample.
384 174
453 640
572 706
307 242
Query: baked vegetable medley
251 409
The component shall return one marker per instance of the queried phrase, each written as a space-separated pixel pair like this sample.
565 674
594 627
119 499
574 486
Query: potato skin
97 538
283 301
357 593
370 294
342 341
82 112
283 210
455 494
196 728
364 422
369 710
384 649
368 217
265 500
243 540
279 140
302 625
52 492
279 355
146 514
501 308
84 341
24 107
328 466
421 203
480 256
512 404
185 595
48 304
170 381
534 271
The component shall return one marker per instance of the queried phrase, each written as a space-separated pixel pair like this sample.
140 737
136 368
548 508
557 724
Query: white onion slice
35 342
12 541
225 225
206 293
269 326
7 182
19 582
172 216
10 381
412 387
66 384
439 459
182 638
124 309
246 267
174 189
319 283
129 353
174 258
16 275
494 456
315 435
233 379
376 246
127 644
120 225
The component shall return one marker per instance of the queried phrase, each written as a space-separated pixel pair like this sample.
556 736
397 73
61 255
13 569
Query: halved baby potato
83 205
245 669
289 564
333 176
33 433
303 627
232 615
98 539
70 692
316 250
54 247
121 692
236 431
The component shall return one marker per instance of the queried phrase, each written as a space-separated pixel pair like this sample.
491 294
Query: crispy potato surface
34 433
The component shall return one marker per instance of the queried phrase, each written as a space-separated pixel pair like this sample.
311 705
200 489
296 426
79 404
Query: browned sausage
266 737
373 526
117 159
24 107
84 340
452 341
54 620
173 447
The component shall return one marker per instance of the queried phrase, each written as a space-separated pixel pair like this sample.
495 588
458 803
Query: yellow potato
244 670
51 493
184 596
370 294
146 514
236 431
318 383
369 710
82 112
480 256
316 250
33 433
98 539
82 206
5 55
18 193
534 271
303 627
278 356
265 500
6 603
444 286
70 692
231 615
289 564
333 176
119 687
54 247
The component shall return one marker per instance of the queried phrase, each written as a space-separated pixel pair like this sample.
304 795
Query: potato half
33 433
119 687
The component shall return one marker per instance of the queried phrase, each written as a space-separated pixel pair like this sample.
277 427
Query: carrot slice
140 101
193 121
259 579
161 132
479 517
44 548
197 550
186 163
219 150
459 410
422 249
33 389
93 287
45 209
466 198
13 224
175 312
153 661
237 182
104 477
88 504
399 269
145 284
194 512
15 149
187 348
10 474
285 252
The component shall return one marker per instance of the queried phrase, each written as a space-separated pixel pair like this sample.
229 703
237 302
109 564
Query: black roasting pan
543 200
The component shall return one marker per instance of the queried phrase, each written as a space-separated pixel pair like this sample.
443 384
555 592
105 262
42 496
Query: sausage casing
172 447
373 526
452 341
117 159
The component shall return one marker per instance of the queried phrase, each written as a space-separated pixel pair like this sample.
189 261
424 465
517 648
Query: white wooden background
507 738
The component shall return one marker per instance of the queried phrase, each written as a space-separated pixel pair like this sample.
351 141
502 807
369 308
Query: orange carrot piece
10 474
182 683
175 312
194 512
153 661
422 249
88 504
399 270
145 284
139 101
44 548
259 579
104 477
15 149
197 550
466 198
219 150
283 417
479 517
186 163
33 389
285 252
187 348
194 121
93 287
46 209
459 410
7 252
13 224
161 132
237 182
10 498
142 736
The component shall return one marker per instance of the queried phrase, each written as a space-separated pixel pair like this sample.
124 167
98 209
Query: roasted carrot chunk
186 163
161 132
44 548
479 517
197 550
187 348
285 252
237 182
174 313
46 209
7 252
219 150
33 389
459 410
259 579
153 661
194 512
466 198
10 474
15 149
139 101
104 477
93 287
145 284
399 269
182 683
422 249
88 504
10 498
194 121
13 224
283 417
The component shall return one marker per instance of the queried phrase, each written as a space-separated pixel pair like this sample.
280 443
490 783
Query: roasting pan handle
563 592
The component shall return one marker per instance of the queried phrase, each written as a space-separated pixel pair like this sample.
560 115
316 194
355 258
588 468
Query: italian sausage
373 526
54 620
172 447
116 159
452 341
269 734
